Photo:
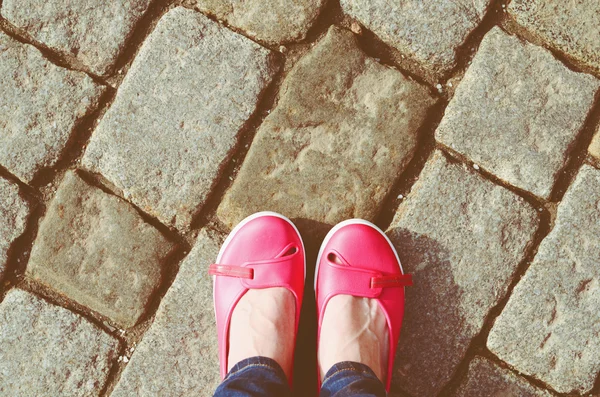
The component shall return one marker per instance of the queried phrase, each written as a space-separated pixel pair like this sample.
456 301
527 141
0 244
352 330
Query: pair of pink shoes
265 250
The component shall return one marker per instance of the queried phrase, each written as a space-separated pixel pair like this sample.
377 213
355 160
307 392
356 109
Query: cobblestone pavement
135 133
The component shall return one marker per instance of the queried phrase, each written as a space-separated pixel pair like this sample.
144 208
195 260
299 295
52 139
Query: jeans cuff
344 367
254 362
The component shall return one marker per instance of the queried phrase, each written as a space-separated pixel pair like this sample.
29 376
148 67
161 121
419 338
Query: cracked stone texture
523 101
40 105
272 21
428 31
353 111
96 249
93 31
571 27
46 350
13 218
178 355
462 237
177 114
549 328
488 379
595 145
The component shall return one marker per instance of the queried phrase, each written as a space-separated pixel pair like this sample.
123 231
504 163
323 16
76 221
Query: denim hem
348 366
254 362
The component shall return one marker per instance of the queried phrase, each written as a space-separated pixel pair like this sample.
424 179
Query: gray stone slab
272 21
488 379
41 104
517 112
14 211
549 328
595 145
96 249
344 128
178 355
46 350
571 27
462 237
427 31
94 31
177 114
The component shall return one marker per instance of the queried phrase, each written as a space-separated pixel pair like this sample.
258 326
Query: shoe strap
276 272
356 281
400 280
230 271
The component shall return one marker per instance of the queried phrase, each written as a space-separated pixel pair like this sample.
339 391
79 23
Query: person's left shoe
258 284
359 288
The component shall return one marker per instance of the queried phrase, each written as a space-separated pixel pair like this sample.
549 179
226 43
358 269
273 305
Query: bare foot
263 324
354 329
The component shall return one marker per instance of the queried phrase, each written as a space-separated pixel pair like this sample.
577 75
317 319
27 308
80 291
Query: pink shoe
264 250
371 268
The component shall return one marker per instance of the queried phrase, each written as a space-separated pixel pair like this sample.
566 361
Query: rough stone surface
46 350
273 21
428 31
518 98
487 379
177 114
13 218
94 31
336 141
595 145
178 355
549 328
96 249
40 104
462 238
572 27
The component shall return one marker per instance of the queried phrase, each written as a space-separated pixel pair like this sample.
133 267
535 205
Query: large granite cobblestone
96 249
273 21
488 379
46 350
550 326
428 31
517 112
14 211
93 31
572 27
177 114
178 355
344 128
462 237
40 104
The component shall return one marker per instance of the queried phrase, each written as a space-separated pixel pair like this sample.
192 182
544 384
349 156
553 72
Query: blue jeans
263 377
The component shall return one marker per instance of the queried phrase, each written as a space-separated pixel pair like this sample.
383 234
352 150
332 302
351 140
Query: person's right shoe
357 259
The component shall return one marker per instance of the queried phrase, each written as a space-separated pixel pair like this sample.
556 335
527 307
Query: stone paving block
462 237
517 112
13 218
177 114
40 105
178 355
549 328
345 127
96 249
571 27
427 31
595 145
272 21
46 350
488 379
93 31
